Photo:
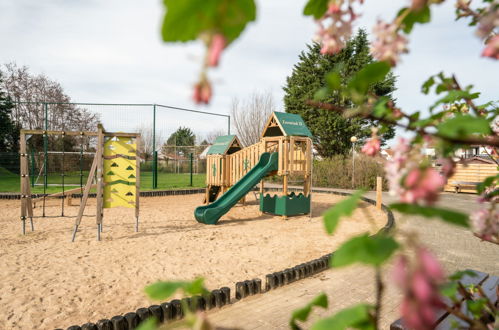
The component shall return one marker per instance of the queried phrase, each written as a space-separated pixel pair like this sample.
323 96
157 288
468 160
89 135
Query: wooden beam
70 191
100 180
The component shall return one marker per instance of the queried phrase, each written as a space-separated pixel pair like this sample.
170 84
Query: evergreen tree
9 130
183 136
332 131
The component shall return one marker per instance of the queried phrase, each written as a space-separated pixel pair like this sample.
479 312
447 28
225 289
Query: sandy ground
47 282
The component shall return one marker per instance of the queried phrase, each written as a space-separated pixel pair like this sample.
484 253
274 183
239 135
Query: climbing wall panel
120 172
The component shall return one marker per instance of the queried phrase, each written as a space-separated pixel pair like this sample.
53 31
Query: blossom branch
492 141
379 295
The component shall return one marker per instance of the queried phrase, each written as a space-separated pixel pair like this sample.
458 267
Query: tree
249 117
182 137
9 130
331 130
147 141
212 136
28 92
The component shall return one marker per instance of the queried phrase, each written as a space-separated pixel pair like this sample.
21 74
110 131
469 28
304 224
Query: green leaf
149 324
162 289
422 16
425 89
480 188
357 317
303 313
450 216
380 109
316 8
457 276
370 74
185 20
453 96
373 250
333 80
343 208
321 94
477 307
449 290
463 125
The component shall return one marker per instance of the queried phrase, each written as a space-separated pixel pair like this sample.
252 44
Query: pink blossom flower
488 21
429 265
492 48
495 125
485 224
202 92
372 147
335 27
448 167
389 43
422 185
217 45
400 271
420 284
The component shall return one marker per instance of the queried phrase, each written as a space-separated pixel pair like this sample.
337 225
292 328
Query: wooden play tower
285 134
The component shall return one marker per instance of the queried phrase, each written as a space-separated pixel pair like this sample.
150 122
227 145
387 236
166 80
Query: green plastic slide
210 214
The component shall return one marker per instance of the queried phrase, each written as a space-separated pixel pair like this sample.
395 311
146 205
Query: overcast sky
110 51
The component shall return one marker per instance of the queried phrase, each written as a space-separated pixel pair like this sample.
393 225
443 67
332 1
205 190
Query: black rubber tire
257 285
167 311
104 324
226 295
249 289
74 327
132 320
119 323
209 300
143 313
240 290
89 326
218 297
157 312
177 309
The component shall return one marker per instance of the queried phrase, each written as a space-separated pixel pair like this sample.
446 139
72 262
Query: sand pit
48 282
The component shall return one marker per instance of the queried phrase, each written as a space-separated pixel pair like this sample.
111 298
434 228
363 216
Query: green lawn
11 183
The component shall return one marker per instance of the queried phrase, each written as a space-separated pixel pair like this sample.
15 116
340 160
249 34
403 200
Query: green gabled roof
222 145
289 124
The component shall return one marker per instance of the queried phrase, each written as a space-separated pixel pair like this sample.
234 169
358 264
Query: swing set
114 173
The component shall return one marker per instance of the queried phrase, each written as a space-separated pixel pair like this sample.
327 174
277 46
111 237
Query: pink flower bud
372 147
417 5
421 287
409 314
492 48
448 167
333 8
217 45
399 273
430 265
202 92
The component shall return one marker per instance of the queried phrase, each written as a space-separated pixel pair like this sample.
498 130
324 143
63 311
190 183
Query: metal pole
228 125
353 165
191 167
154 168
45 146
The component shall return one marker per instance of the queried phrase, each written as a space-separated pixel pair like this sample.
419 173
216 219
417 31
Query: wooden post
84 199
100 180
379 189
137 182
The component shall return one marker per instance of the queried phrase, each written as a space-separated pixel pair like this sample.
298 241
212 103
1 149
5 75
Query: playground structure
285 149
115 174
